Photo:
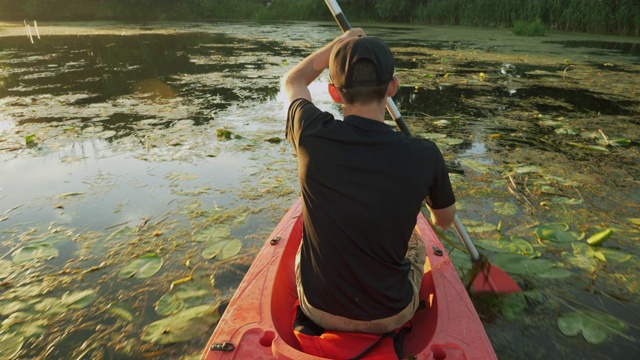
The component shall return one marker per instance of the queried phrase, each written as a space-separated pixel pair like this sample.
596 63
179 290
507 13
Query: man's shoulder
417 143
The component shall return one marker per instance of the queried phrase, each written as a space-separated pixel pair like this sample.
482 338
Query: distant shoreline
8 29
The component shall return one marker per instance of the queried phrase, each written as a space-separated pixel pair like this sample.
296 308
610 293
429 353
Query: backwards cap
346 54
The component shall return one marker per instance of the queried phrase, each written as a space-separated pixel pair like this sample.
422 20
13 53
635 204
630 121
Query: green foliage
293 10
620 17
529 17
522 28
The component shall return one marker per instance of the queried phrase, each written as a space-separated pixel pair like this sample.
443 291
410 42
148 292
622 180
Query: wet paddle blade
494 280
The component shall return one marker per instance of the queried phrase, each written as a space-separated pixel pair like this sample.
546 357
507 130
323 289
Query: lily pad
594 327
504 245
34 253
477 166
121 310
223 249
50 306
513 306
79 299
520 246
600 237
505 208
186 325
169 304
481 227
213 233
615 255
583 256
33 328
10 345
525 265
556 232
8 308
450 141
143 267
5 268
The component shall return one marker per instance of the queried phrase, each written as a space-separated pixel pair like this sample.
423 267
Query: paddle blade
493 280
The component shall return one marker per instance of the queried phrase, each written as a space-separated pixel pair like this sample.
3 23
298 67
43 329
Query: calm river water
120 140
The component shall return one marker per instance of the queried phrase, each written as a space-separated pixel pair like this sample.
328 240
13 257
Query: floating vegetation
143 267
183 326
595 327
543 153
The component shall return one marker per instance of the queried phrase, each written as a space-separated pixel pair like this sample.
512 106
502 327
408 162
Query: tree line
619 17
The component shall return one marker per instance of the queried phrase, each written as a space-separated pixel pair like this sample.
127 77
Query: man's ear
394 84
334 92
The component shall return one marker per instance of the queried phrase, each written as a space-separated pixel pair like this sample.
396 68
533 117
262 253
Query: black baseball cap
346 54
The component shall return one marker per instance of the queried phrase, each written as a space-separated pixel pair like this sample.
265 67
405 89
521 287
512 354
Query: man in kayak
360 264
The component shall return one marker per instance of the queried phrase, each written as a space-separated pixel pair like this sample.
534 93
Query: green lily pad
492 245
169 304
505 208
504 245
223 249
50 306
10 345
450 141
520 246
600 237
513 306
213 233
583 256
477 166
482 227
33 328
432 136
556 232
192 292
79 299
121 310
615 255
186 325
5 268
8 308
524 265
594 327
34 253
143 267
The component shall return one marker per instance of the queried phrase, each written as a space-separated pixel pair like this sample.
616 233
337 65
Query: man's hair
364 72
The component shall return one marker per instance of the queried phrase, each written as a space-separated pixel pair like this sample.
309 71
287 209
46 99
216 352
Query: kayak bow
257 322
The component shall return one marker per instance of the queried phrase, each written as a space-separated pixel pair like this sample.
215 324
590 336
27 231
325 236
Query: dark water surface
112 146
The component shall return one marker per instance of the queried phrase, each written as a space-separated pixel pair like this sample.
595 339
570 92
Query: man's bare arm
297 80
443 217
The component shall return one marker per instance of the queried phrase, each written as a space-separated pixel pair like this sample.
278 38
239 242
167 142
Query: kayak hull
257 321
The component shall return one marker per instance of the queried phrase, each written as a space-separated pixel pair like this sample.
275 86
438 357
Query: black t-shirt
362 186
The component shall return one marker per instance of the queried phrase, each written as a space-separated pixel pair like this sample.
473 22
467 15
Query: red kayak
257 323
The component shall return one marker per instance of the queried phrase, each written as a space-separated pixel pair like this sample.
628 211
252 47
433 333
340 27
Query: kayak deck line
257 322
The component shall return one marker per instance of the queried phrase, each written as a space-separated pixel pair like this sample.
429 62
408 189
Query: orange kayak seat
314 340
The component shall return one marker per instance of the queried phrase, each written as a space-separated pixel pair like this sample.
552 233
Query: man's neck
373 111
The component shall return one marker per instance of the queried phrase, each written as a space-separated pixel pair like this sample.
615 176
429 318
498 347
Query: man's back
362 185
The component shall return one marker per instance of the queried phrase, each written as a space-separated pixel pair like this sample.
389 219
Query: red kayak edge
257 322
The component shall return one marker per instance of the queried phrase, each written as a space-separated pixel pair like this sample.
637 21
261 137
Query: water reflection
127 126
82 71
